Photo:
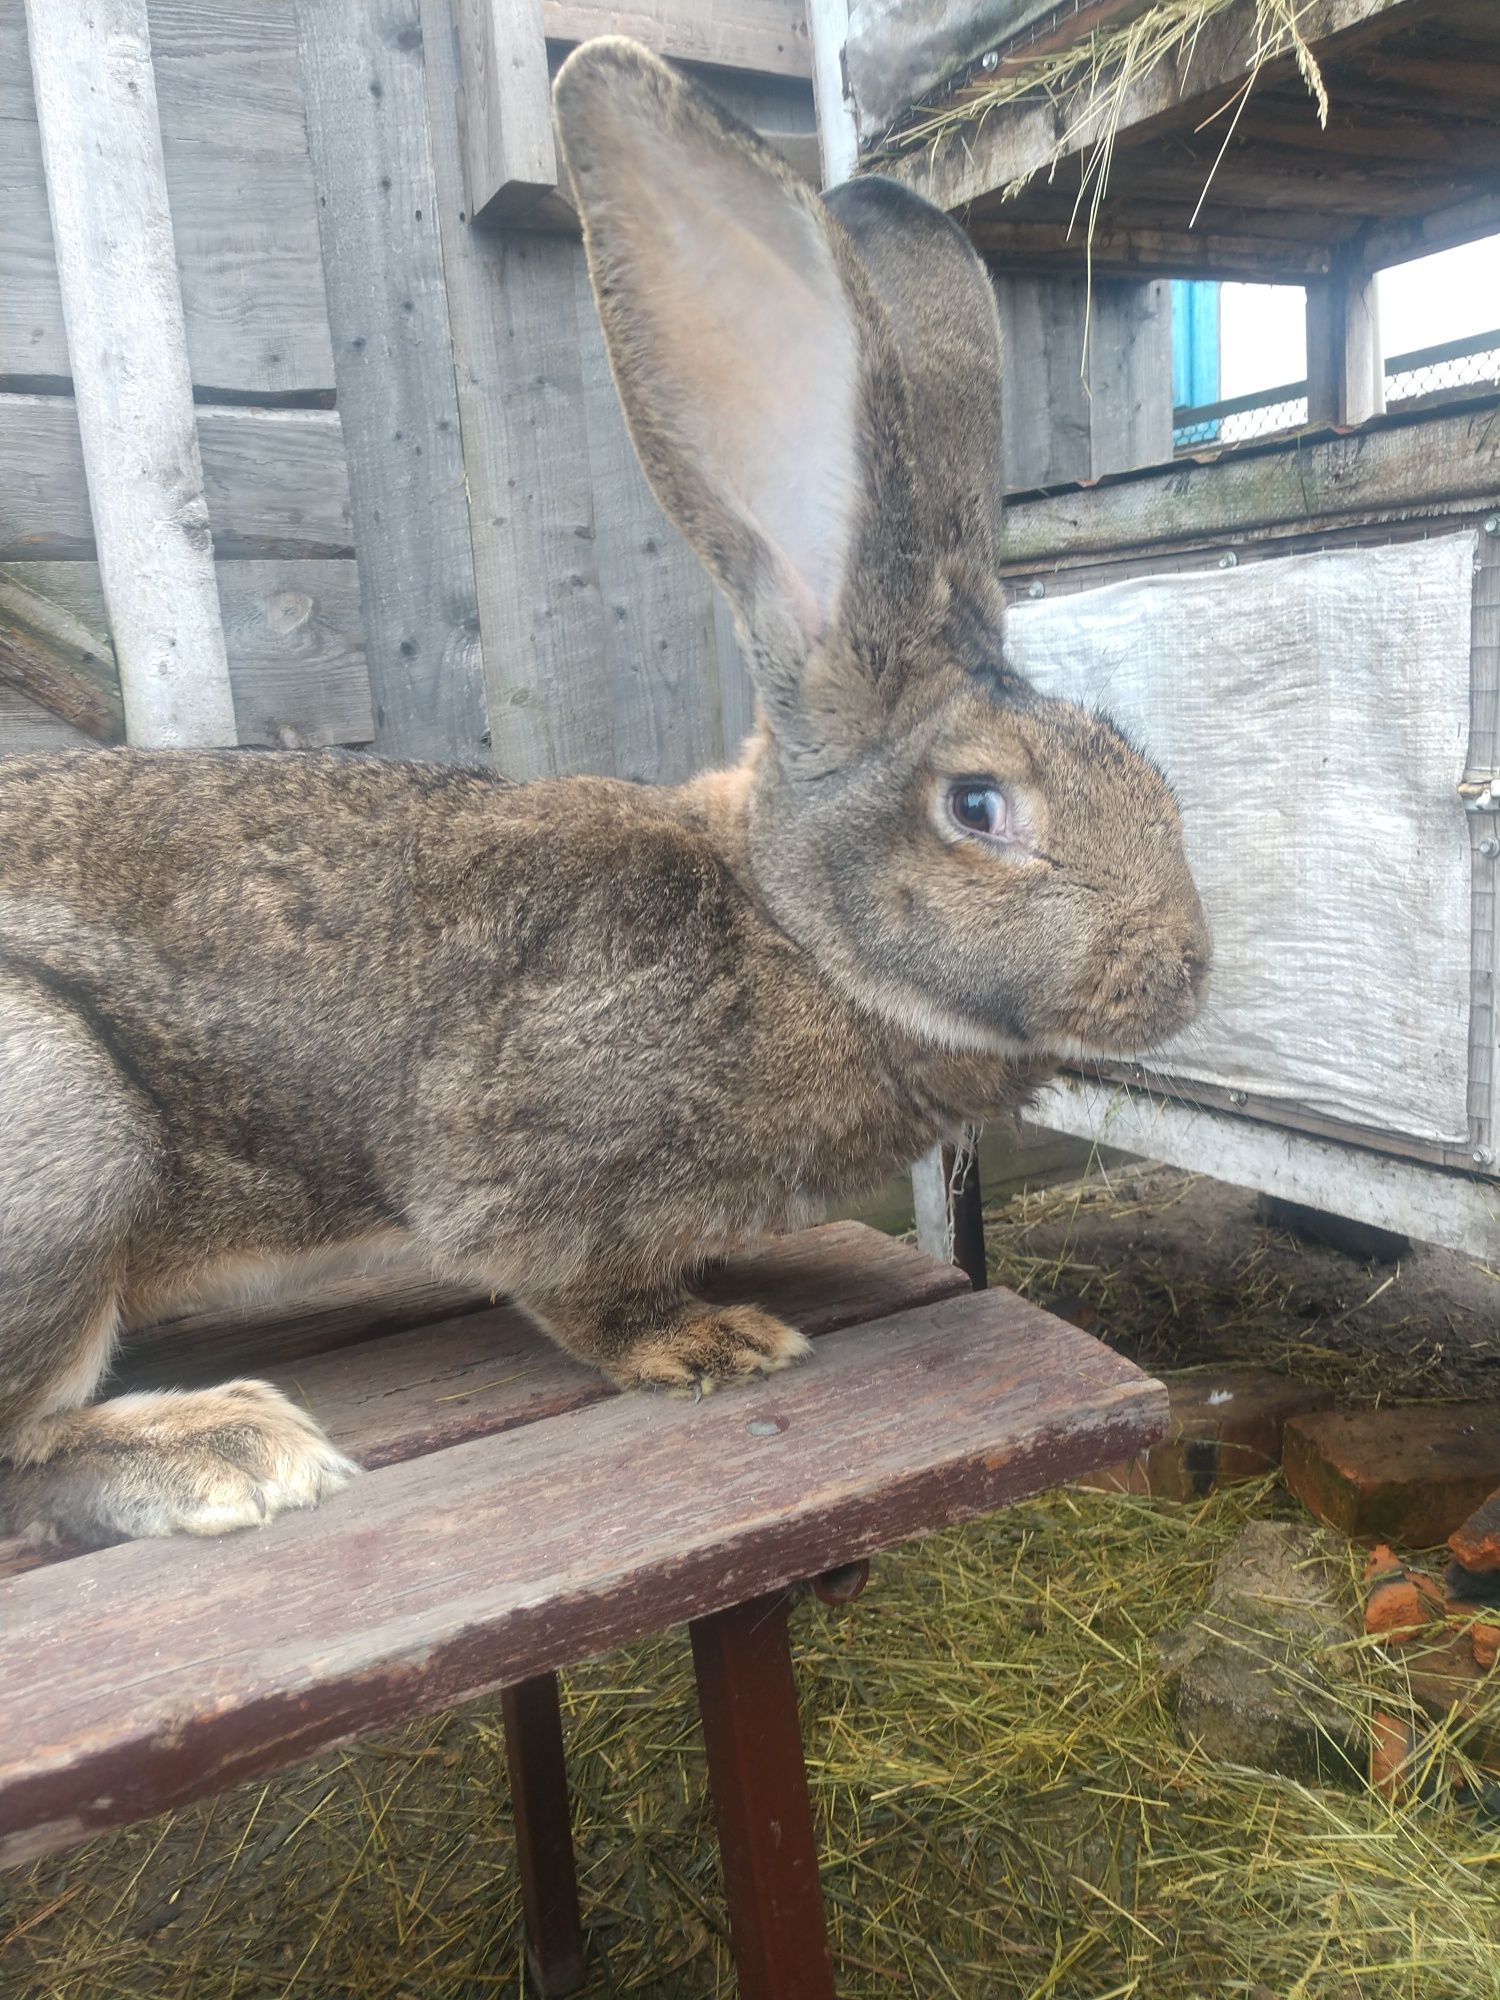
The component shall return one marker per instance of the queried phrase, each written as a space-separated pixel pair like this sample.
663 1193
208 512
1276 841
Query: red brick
1476 1541
1408 1476
1227 1426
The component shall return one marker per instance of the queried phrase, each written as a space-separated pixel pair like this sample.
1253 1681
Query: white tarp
1312 712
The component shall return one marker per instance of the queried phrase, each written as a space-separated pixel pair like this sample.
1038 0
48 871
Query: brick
1476 1541
1227 1426
1408 1476
1400 1606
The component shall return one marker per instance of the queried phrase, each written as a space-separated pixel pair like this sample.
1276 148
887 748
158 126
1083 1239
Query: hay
1004 1807
1089 83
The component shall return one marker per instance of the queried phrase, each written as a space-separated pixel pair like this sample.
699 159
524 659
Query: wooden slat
1393 464
658 624
127 354
292 631
59 661
26 726
426 1376
488 1370
240 188
512 303
275 481
505 108
765 35
367 121
1019 141
501 1558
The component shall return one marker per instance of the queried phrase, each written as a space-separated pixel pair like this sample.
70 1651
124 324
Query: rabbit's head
813 386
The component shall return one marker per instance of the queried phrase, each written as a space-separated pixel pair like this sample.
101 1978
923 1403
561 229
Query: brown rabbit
565 1039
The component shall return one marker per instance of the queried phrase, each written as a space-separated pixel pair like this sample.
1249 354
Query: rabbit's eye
977 808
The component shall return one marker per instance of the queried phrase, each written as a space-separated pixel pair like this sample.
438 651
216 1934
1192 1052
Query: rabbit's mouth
1142 999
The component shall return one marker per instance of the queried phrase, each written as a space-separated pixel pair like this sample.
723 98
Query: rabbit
564 1040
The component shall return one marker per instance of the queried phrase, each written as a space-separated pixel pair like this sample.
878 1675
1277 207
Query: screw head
761 1429
1229 560
1483 1156
1036 588
1492 524
1238 1098
990 59
1489 847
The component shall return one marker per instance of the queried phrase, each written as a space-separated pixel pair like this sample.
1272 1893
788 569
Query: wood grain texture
26 726
770 36
660 651
747 1696
1019 141
512 303
52 656
367 120
127 354
1396 465
275 482
240 189
434 1386
292 632
508 1556
505 108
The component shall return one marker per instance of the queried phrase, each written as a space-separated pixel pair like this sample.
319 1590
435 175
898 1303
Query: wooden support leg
544 1835
748 1699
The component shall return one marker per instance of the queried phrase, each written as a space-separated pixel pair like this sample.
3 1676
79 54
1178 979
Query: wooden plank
1019 141
25 727
1131 249
838 121
512 303
245 226
1129 376
503 1558
1391 465
292 632
58 661
436 1386
275 481
427 1375
367 123
1458 1210
33 343
770 36
243 207
659 648
127 352
504 108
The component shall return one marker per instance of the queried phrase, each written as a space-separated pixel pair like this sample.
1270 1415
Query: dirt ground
1181 1270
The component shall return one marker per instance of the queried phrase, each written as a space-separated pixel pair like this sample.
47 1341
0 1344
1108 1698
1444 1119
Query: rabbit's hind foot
188 1463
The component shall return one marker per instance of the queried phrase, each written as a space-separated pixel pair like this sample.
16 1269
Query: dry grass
1089 84
1005 1808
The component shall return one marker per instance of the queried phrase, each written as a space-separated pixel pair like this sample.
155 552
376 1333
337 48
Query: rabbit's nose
1195 969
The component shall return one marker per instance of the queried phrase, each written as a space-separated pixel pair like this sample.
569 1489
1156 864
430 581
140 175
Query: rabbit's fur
565 1039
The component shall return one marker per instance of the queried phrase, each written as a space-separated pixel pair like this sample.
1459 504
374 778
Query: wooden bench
519 1518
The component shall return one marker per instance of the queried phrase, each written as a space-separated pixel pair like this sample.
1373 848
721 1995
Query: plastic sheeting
1312 712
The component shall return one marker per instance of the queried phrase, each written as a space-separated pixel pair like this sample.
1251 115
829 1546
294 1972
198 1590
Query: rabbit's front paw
718 1345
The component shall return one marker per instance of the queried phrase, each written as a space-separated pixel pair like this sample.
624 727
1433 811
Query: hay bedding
1005 1809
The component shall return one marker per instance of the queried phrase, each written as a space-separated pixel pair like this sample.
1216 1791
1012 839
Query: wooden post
363 74
127 348
504 108
748 1700
1345 361
544 1835
949 1211
838 132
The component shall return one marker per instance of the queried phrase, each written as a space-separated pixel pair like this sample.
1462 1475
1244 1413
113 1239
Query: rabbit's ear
744 339
941 307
